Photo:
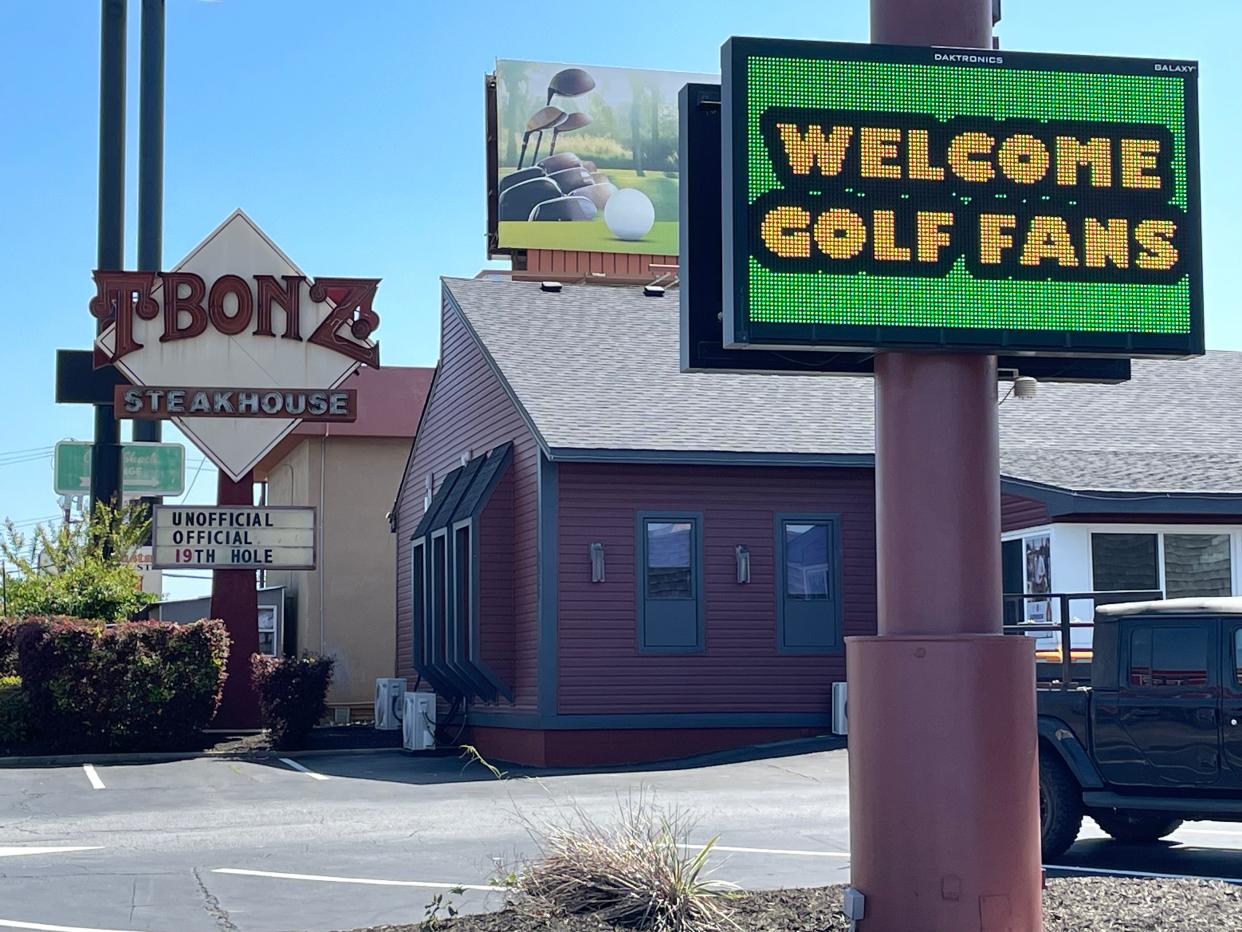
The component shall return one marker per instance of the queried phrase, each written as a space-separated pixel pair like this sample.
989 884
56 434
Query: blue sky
353 133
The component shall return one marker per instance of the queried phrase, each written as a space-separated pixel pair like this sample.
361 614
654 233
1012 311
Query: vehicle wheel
1135 827
1060 806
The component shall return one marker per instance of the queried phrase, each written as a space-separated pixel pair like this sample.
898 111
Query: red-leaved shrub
133 686
8 648
293 695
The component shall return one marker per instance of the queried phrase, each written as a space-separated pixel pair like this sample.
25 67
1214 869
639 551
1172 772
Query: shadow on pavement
1163 857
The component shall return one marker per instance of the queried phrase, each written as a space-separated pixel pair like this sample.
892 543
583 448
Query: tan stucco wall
356 574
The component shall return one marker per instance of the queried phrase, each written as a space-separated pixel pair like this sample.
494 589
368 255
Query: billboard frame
739 332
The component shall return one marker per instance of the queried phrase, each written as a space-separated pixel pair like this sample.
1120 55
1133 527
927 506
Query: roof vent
653 291
551 287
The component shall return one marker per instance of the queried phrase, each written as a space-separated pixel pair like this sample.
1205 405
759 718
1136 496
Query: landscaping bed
1071 904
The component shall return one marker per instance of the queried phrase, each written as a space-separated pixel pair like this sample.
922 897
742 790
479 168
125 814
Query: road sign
151 469
234 537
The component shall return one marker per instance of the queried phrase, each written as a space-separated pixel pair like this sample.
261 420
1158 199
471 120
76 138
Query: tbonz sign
239 537
916 198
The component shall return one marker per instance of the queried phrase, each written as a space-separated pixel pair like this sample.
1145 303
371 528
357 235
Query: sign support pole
106 460
944 815
235 601
151 160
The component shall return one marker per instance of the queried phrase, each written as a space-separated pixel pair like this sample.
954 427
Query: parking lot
351 840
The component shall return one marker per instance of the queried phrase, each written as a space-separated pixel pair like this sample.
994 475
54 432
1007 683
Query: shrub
14 712
8 648
293 695
141 685
640 873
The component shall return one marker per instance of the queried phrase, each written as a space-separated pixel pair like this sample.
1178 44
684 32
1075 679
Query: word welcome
905 194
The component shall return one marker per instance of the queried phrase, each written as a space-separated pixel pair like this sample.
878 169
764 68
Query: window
670 603
462 574
1237 656
1197 565
439 592
1169 657
1124 561
418 601
808 605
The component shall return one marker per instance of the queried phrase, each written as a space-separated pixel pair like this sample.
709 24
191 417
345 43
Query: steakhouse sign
235 344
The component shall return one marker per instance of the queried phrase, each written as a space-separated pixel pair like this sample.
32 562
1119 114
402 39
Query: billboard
920 198
585 158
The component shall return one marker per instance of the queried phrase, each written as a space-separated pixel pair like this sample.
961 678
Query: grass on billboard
587 236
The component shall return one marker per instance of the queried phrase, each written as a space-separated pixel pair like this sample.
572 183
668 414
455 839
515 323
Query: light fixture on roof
653 291
550 287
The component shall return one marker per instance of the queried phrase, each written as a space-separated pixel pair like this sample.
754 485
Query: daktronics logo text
970 59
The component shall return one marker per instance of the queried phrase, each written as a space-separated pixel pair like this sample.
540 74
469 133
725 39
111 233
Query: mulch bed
1071 904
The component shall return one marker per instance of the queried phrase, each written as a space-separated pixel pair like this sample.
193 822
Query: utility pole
106 455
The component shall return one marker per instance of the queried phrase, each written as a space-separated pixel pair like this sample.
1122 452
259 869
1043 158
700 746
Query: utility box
389 702
418 722
840 709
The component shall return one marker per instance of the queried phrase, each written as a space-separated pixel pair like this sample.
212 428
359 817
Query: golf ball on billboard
629 214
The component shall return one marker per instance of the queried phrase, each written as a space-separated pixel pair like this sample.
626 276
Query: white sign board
234 537
242 315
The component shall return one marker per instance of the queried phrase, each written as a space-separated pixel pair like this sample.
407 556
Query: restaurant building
602 559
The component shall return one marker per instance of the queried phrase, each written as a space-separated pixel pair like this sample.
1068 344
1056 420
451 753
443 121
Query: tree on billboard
82 569
636 133
517 85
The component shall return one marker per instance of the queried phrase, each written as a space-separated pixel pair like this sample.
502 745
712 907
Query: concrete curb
155 757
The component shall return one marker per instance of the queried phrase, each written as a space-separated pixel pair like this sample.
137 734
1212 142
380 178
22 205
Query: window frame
697 580
467 650
420 631
780 580
1232 531
440 626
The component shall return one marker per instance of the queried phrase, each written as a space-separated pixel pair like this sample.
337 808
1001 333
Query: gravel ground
1072 904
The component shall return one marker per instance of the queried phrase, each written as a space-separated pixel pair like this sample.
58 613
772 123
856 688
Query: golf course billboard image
587 157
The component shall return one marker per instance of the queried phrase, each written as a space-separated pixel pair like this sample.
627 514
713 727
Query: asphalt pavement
351 840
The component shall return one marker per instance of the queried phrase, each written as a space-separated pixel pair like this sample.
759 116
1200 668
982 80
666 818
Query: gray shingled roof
596 368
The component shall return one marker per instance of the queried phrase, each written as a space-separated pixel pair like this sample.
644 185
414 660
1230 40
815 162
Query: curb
155 757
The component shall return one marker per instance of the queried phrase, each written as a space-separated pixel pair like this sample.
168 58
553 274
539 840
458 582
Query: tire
1060 806
1136 827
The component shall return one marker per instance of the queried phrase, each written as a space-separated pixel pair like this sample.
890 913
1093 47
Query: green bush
14 712
135 686
293 694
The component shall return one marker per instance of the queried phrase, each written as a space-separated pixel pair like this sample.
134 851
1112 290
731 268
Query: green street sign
146 468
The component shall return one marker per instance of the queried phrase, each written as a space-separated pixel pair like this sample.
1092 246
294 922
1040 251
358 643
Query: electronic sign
895 197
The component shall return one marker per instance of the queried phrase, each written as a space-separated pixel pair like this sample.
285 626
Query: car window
1169 657
1237 655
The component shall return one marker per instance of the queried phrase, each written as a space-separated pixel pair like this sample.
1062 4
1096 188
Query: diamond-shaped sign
251 358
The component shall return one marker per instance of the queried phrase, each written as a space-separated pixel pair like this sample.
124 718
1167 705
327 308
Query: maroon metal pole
235 600
944 816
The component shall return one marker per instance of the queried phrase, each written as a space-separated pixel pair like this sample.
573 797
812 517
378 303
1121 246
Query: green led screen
890 197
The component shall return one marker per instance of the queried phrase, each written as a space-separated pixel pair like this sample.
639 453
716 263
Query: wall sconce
743 564
597 562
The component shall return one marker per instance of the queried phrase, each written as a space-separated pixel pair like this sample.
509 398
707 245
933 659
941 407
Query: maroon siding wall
1018 512
599 667
469 410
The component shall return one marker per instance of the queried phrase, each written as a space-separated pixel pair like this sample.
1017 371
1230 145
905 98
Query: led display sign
899 197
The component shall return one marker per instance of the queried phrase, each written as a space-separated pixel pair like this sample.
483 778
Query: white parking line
372 881
790 851
16 850
44 927
93 776
296 766
1119 873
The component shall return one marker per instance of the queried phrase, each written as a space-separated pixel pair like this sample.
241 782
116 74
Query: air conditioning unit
418 724
840 710
389 696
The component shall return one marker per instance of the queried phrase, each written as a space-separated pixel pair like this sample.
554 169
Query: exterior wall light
597 562
743 564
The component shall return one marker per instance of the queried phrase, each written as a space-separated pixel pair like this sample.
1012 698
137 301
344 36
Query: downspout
323 460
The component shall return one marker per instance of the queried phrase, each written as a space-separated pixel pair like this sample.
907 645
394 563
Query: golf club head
564 208
571 122
597 194
517 202
590 166
596 177
522 174
571 178
571 82
556 163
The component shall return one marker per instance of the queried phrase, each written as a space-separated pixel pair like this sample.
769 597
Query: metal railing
1064 624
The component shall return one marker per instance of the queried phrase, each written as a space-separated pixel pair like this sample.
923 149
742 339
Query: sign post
935 202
